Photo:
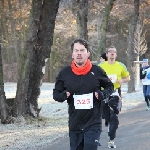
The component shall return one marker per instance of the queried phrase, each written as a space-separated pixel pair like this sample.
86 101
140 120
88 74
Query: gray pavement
133 132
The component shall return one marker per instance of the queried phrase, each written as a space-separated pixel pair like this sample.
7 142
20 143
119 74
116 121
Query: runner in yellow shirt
118 74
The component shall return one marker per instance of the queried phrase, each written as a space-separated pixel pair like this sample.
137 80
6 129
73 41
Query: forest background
38 33
15 15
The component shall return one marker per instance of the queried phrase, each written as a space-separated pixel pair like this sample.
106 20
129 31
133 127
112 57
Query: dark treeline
38 33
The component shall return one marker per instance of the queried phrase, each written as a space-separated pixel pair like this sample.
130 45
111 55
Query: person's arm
142 73
59 92
125 76
124 80
108 87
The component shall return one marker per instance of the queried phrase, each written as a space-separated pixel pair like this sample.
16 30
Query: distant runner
118 74
145 76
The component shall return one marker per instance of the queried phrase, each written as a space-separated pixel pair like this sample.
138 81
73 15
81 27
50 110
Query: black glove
115 103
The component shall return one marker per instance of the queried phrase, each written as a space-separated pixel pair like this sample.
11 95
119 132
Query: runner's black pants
87 139
112 119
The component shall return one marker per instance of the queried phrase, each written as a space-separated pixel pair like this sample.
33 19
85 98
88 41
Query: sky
52 124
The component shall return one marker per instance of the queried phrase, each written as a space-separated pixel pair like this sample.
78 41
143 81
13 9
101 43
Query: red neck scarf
81 70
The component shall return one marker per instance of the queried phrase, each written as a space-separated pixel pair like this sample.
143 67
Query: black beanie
103 55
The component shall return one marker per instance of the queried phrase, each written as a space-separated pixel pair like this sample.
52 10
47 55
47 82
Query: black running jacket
93 81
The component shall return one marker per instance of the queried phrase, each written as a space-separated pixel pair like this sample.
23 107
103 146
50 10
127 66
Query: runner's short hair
82 42
103 55
107 50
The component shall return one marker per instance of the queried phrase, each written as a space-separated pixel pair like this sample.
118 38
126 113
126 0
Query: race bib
112 77
84 101
115 93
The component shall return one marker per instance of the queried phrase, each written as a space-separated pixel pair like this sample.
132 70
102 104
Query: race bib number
112 77
115 93
84 101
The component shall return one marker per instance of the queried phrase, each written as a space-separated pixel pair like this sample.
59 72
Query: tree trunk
42 51
13 32
52 61
82 13
4 32
37 49
22 105
131 55
130 62
22 30
102 43
3 107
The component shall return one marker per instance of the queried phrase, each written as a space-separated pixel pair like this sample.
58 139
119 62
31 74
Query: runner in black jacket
85 111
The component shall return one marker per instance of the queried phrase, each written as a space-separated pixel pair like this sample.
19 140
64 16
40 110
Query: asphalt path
133 132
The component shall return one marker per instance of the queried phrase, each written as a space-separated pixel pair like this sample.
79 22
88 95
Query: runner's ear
88 54
72 56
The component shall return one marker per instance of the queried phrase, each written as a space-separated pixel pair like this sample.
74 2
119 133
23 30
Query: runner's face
144 64
112 54
80 54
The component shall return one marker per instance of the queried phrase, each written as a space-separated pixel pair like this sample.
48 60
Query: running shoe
148 108
111 144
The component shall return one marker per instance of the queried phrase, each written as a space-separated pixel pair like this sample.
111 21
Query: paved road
133 132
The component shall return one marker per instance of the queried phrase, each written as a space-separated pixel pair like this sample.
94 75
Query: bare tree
102 42
3 106
140 44
37 49
80 9
13 31
130 50
4 32
22 106
140 47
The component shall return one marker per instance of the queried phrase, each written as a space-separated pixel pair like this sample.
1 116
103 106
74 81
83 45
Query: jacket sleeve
142 75
59 92
107 85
